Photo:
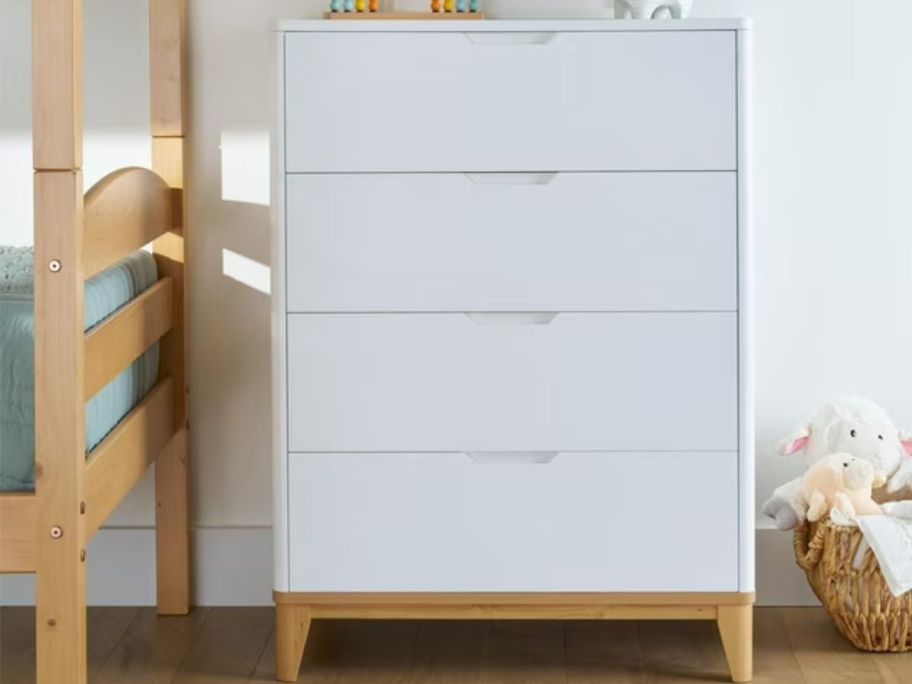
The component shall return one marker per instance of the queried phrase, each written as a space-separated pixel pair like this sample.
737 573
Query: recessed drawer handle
512 178
511 38
523 318
512 457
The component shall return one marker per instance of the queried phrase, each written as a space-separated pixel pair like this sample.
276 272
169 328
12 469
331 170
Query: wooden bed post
59 342
167 22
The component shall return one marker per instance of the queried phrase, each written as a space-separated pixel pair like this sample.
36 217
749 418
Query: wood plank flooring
230 645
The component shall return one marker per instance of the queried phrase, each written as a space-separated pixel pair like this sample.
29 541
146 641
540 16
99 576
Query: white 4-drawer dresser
512 338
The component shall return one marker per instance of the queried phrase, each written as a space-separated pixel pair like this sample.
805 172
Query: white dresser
512 348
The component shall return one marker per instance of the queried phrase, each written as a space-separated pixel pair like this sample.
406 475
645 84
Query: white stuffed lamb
854 426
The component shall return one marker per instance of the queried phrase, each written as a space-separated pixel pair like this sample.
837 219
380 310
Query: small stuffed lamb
854 426
842 482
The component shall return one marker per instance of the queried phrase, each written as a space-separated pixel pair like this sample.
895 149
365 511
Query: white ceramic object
652 9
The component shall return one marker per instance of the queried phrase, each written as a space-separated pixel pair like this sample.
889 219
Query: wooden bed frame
76 237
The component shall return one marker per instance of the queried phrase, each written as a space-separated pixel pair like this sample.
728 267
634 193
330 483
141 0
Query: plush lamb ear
906 440
879 480
796 442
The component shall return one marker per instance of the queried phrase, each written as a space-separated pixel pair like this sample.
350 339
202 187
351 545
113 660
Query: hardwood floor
230 645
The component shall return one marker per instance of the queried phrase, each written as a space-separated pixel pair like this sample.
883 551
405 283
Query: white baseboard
233 567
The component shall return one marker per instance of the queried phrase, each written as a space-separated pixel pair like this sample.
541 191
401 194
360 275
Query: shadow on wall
245 186
228 185
230 253
245 181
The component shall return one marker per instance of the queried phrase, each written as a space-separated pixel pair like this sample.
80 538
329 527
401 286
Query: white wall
834 245
834 279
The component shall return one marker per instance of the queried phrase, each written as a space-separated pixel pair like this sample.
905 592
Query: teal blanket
104 295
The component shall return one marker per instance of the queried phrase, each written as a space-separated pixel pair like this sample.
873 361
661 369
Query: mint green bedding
104 295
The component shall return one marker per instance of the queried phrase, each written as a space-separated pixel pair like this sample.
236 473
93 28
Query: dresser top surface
518 25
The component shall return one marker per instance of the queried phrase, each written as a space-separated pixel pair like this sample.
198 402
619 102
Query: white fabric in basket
889 536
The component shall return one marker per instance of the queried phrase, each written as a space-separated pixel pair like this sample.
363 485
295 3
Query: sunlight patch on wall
245 166
245 270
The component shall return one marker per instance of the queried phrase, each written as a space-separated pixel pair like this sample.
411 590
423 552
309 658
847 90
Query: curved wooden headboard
125 211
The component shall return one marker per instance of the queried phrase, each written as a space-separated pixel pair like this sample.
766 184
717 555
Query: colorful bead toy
374 6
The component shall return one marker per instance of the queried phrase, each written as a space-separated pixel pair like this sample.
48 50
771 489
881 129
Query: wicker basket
858 600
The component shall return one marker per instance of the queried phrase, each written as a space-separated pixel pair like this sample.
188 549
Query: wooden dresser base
732 612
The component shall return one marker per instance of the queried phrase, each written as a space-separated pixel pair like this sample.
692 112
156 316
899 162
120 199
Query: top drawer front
510 101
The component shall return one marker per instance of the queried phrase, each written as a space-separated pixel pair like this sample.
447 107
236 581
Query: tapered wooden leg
292 628
736 626
172 530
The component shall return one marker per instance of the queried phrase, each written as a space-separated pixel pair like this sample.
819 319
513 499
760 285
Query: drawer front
512 242
512 382
601 522
510 101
